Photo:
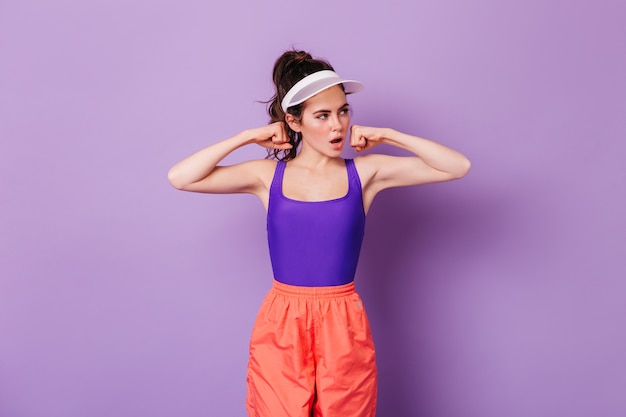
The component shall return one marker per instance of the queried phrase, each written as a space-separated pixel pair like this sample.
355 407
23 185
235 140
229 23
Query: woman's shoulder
261 163
262 168
367 165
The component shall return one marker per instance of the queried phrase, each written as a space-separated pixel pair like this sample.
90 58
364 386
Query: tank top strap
353 175
277 182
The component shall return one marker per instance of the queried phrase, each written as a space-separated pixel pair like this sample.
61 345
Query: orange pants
311 354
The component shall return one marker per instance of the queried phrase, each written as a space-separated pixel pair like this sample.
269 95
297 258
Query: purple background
502 294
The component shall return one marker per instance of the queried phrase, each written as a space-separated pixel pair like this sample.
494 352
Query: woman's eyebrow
328 111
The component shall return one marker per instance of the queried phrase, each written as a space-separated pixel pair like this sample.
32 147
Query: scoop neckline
346 195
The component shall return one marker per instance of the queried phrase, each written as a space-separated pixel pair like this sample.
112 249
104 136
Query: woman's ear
292 122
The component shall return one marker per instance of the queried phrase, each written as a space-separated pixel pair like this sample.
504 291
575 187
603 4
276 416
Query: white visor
315 83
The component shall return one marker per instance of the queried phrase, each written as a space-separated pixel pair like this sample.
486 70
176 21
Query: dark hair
289 68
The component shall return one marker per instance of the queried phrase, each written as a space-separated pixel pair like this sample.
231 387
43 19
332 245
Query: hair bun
288 61
300 56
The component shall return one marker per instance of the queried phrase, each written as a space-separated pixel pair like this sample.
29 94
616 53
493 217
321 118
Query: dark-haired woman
311 351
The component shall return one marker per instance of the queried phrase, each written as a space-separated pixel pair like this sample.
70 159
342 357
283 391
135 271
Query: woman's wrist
392 137
245 137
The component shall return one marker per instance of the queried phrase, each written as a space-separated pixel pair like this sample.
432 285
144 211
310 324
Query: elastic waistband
314 292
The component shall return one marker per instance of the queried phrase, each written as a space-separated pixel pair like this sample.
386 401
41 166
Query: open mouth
336 141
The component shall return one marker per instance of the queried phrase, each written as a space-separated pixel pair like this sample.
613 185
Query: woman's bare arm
200 172
433 162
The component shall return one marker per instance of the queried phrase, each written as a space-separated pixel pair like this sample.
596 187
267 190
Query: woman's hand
364 137
272 136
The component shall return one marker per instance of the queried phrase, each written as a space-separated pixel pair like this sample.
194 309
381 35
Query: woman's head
295 68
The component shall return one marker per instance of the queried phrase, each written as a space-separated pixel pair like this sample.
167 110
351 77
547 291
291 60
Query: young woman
311 351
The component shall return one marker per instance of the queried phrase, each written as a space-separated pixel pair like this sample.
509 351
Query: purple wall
502 294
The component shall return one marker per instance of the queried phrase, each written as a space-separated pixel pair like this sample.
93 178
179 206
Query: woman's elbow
175 180
462 168
466 165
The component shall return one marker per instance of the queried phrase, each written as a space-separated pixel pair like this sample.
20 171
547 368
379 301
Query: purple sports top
315 243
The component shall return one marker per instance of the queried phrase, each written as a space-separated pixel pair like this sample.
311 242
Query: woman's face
325 121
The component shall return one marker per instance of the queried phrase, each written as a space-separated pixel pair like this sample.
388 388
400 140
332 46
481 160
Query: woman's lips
337 143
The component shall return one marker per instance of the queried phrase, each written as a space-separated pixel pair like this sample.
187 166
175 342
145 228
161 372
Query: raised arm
200 171
432 162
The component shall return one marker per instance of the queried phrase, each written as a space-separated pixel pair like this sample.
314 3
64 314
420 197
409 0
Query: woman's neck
311 158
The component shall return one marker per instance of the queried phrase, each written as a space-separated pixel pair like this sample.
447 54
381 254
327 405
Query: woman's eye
322 116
